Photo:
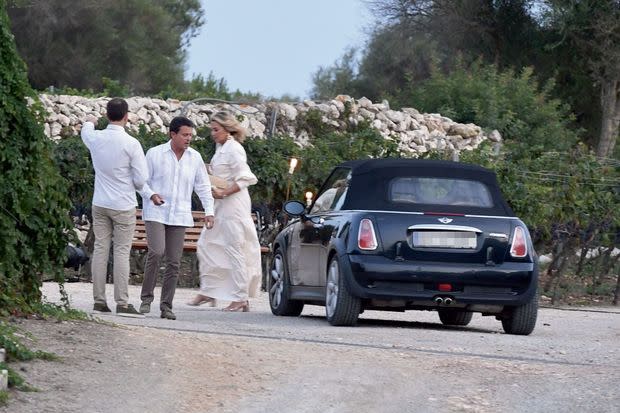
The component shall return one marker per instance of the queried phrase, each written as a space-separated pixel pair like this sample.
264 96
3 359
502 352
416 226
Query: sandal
236 306
200 299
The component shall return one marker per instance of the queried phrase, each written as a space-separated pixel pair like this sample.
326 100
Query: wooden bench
191 234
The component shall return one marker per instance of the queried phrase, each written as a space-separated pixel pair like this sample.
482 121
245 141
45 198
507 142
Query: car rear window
440 191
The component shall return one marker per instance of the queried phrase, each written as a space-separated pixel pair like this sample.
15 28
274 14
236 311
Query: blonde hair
230 124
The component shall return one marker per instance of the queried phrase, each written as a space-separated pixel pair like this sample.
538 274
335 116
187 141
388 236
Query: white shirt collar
220 145
115 127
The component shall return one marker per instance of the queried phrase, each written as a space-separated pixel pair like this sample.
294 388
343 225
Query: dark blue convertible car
404 234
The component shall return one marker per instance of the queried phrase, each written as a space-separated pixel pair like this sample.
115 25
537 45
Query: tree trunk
612 263
582 260
557 255
598 270
563 253
610 118
616 300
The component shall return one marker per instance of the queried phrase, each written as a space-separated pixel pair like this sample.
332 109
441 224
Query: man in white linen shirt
175 170
120 170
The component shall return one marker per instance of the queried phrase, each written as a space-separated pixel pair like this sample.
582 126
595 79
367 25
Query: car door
301 254
316 230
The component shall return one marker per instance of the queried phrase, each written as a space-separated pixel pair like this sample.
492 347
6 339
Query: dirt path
133 369
210 361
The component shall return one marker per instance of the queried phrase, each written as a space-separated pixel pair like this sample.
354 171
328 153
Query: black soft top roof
370 178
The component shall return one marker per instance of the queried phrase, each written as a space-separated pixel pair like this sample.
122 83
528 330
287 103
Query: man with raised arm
120 170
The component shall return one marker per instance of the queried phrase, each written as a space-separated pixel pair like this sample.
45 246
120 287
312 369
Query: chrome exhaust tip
438 300
447 301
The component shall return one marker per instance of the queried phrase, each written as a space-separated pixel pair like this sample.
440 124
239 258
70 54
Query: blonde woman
229 253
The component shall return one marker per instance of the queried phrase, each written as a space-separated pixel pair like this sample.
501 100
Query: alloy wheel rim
331 294
277 281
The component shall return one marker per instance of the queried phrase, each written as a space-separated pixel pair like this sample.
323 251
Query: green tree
591 30
526 114
396 56
139 43
569 201
393 57
337 79
209 87
573 43
34 219
413 37
503 31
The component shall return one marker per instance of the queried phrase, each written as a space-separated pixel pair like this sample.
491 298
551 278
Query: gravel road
208 360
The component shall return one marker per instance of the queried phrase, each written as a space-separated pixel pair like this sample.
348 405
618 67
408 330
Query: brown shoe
101 308
167 313
128 311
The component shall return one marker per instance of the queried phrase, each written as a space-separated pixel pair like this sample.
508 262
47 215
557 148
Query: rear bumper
417 283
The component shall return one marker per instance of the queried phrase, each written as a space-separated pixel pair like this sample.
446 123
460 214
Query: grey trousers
162 240
108 225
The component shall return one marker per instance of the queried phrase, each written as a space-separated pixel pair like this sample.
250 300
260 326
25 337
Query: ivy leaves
34 201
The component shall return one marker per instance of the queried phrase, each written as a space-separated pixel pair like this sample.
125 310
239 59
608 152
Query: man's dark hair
117 109
178 121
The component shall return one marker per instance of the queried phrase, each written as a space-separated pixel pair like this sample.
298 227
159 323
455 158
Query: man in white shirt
175 170
120 170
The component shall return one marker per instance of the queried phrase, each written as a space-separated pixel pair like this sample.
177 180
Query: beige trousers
117 226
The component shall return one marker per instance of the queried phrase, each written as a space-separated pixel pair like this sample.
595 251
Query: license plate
444 239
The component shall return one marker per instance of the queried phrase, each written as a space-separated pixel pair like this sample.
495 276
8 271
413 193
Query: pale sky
274 46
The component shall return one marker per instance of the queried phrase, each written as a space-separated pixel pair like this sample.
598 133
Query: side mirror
294 208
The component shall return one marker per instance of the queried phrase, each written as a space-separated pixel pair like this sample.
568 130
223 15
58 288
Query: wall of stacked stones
416 132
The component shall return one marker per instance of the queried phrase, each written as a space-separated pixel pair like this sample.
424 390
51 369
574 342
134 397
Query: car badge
445 220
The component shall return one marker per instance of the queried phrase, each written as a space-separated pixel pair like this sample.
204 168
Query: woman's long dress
229 253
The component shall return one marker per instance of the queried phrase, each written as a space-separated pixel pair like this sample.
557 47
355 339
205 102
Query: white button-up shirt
119 163
174 180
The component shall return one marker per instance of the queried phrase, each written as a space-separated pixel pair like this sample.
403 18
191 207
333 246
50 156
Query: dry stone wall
416 132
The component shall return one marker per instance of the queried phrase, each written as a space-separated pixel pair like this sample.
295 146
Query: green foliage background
525 113
499 66
34 220
571 47
138 43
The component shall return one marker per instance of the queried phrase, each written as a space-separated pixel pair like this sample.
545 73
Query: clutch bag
218 182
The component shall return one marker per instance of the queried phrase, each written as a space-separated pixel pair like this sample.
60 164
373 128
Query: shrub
73 160
569 200
34 206
513 103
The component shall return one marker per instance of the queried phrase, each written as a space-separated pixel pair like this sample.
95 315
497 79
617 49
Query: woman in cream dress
229 253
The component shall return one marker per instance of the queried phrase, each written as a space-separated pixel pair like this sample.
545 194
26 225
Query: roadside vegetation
17 343
543 84
544 73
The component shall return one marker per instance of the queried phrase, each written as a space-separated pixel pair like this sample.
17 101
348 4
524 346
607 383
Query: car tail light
518 248
366 239
445 287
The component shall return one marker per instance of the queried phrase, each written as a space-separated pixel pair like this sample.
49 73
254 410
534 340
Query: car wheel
280 289
341 308
521 320
455 317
